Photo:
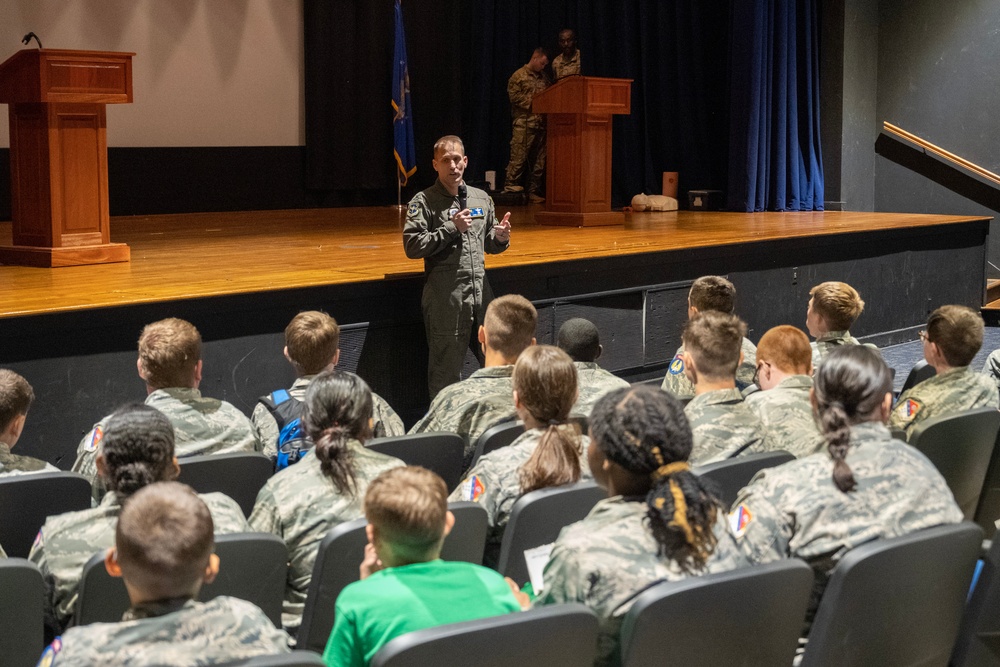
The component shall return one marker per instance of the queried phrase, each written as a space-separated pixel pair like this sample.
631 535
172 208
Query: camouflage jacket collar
586 365
836 337
180 393
302 382
158 608
4 452
494 372
716 397
796 382
948 374
868 432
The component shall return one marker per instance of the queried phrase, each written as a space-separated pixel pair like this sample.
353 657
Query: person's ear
101 465
886 406
140 369
212 569
370 533
175 469
197 374
449 522
336 358
481 335
111 562
517 400
741 358
287 357
812 400
16 428
600 351
533 340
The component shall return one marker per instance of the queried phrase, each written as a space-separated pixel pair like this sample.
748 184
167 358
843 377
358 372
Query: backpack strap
282 406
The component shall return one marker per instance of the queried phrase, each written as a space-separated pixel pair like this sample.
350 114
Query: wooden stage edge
201 255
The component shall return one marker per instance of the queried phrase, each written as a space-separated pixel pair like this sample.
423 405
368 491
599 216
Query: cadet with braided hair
660 522
136 450
548 453
303 502
866 486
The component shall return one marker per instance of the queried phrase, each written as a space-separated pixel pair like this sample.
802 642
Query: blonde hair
510 324
958 332
407 507
838 304
16 396
787 348
312 339
169 351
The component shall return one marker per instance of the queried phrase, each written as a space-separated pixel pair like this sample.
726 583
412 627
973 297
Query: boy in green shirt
405 586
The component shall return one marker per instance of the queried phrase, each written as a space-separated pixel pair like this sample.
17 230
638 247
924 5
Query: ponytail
138 449
337 408
836 429
336 460
682 515
556 459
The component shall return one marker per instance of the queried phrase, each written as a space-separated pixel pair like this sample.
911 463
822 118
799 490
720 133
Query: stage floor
213 254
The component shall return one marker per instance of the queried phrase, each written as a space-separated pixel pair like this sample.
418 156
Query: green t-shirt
398 600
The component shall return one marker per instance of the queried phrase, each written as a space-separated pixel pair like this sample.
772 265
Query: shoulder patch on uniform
472 488
49 655
478 212
414 208
908 409
452 211
677 365
739 520
95 439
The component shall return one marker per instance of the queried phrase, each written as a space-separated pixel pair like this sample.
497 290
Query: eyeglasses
923 336
756 373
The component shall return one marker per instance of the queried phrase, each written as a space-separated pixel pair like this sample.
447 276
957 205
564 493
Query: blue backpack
293 442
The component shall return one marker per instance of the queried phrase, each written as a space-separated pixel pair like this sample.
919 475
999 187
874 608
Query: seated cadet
953 337
784 374
405 586
471 406
581 341
866 486
16 397
163 550
722 424
312 342
660 521
548 453
833 308
304 502
716 294
137 450
170 364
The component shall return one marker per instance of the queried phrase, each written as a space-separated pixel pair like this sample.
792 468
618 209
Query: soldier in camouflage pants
527 141
168 523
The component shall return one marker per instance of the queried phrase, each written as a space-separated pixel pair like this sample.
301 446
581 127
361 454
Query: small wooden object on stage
59 154
578 182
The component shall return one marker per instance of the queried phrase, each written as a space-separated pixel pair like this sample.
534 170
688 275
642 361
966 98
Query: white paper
536 559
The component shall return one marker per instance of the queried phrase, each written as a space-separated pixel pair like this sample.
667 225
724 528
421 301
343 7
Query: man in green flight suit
452 233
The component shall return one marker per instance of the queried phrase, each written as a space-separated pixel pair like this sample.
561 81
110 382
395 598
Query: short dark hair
137 447
715 340
958 332
713 293
580 339
337 408
16 396
312 339
510 324
164 540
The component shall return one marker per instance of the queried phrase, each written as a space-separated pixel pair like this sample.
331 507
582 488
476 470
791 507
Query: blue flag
402 122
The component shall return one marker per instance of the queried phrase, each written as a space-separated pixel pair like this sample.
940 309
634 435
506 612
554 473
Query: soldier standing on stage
527 142
567 63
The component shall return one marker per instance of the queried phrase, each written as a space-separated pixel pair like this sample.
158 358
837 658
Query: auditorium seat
293 659
22 600
536 519
554 636
960 446
732 475
496 437
439 452
896 602
978 641
921 371
239 475
342 550
27 500
751 616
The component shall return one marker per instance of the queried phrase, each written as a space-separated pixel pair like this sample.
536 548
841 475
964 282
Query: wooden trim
937 150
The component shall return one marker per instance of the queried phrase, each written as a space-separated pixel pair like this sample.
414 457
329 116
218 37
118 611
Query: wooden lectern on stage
578 182
59 154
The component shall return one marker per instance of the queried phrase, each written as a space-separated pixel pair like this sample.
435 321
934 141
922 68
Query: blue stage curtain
775 160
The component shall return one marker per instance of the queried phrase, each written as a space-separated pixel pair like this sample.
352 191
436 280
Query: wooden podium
59 154
578 180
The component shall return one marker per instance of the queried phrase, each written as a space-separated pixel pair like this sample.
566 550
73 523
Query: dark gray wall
938 77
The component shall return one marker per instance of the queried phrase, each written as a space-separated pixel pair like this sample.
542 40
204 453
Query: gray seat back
239 475
27 500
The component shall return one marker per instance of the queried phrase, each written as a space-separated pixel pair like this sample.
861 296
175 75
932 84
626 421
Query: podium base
22 255
602 219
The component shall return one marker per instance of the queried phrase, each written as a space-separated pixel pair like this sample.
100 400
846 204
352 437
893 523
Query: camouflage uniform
796 511
563 66
830 341
494 483
456 291
593 382
527 141
201 426
67 541
385 421
678 384
787 416
300 505
172 633
13 464
471 406
724 427
991 368
610 556
953 391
